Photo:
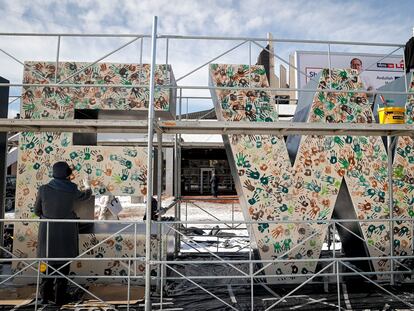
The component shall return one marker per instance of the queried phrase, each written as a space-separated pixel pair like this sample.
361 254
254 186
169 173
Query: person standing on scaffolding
57 200
214 185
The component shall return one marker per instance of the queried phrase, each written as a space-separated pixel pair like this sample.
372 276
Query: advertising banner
376 69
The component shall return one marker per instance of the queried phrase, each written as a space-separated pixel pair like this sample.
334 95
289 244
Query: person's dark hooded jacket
57 200
409 55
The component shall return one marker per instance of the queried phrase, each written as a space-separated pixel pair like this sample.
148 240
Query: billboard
376 69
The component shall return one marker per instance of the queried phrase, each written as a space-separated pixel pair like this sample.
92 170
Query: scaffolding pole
159 205
150 168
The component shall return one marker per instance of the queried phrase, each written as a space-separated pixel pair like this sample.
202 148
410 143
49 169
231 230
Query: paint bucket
391 115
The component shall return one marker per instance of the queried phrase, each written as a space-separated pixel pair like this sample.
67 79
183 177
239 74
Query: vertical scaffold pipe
159 205
150 166
391 203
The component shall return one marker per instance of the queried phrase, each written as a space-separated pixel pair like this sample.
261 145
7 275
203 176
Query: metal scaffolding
251 276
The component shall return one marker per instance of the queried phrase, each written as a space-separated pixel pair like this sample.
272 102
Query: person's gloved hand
86 183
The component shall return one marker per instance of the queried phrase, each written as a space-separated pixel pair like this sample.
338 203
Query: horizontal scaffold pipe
206 127
290 221
55 34
207 262
184 37
204 87
285 128
221 277
75 126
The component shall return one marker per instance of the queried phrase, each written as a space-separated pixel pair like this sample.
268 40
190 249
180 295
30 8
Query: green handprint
254 199
329 179
73 155
286 244
65 142
277 247
363 140
343 74
350 117
125 162
88 169
273 140
253 174
333 159
410 188
283 208
399 171
29 107
135 177
264 180
230 71
329 105
49 138
32 143
371 192
321 96
283 189
78 167
401 152
371 230
319 112
131 152
323 214
344 163
125 174
262 227
87 154
324 191
117 179
48 149
377 209
128 190
241 159
339 141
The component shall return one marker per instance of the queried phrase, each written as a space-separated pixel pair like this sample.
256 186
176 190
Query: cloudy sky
370 21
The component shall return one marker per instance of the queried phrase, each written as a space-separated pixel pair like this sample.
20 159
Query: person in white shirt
356 64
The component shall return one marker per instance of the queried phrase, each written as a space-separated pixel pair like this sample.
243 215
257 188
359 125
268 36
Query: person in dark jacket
57 200
409 54
214 185
154 210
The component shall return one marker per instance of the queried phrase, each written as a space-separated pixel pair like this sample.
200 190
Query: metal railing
245 270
